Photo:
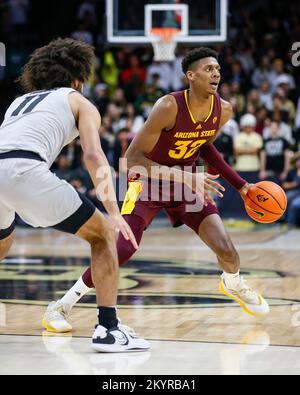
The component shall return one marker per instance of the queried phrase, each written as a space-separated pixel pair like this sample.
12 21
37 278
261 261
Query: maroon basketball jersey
181 145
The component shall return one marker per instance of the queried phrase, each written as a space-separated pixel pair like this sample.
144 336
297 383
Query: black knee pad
79 218
7 232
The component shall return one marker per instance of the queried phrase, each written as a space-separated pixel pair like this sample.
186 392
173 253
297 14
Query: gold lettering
187 135
208 133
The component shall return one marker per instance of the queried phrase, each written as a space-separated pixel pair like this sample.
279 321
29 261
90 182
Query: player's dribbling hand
120 225
245 189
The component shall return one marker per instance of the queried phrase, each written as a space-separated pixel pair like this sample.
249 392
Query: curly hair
57 65
195 55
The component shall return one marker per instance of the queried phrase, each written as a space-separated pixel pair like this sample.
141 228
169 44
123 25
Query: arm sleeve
211 155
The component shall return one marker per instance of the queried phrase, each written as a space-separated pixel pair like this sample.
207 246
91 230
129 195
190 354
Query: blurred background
261 141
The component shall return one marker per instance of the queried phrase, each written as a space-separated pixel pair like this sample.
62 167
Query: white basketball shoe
117 340
252 302
55 318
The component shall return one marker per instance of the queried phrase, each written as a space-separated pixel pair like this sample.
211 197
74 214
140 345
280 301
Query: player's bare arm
89 121
162 117
227 112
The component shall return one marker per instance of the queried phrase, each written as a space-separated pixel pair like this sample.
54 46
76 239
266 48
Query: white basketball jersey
40 122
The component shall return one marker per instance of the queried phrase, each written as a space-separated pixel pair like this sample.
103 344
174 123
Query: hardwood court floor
168 293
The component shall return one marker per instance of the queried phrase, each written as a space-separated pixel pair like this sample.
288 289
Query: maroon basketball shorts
180 211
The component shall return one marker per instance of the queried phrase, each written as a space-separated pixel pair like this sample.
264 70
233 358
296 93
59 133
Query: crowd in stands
261 141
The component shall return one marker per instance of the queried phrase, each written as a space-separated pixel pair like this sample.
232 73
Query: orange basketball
266 202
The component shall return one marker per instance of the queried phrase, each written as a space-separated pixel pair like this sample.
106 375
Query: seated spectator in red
133 78
261 116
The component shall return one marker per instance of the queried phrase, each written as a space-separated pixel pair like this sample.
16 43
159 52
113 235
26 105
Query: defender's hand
120 225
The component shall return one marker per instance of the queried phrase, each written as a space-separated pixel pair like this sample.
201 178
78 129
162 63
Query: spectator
239 97
292 188
88 7
247 146
82 33
133 78
297 120
287 104
266 95
278 107
262 73
225 91
100 97
285 129
109 72
245 57
19 14
278 74
275 156
179 81
121 145
254 99
130 121
238 76
296 154
119 100
146 101
261 116
114 114
231 128
63 170
224 145
164 73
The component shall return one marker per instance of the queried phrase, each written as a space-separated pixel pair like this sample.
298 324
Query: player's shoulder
76 98
166 106
167 102
80 105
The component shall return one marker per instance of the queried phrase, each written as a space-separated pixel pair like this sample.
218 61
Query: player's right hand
120 225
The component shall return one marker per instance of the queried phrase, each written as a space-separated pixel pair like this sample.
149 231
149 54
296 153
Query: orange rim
165 33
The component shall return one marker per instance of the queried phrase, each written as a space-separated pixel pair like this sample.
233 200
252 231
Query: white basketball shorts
30 189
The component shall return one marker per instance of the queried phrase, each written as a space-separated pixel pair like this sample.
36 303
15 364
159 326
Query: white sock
232 280
75 294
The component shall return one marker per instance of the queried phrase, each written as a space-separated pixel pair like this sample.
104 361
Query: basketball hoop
164 43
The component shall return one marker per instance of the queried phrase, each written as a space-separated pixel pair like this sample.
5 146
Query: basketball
266 202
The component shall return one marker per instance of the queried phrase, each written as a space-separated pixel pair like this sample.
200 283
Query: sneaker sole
101 348
46 325
240 302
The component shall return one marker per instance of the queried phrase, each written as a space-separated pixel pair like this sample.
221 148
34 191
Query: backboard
201 21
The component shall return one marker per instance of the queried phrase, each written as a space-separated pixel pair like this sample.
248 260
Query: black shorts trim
7 232
79 218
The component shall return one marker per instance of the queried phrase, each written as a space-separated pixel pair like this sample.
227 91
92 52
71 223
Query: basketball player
182 127
36 127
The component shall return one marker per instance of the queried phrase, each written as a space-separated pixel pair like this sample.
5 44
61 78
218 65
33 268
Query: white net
164 44
163 51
